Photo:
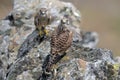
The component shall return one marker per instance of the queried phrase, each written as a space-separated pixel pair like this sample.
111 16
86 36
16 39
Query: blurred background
102 16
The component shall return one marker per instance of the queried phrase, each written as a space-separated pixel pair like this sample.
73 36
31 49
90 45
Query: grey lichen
82 62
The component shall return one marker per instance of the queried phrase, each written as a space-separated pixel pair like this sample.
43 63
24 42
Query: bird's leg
40 29
46 32
43 32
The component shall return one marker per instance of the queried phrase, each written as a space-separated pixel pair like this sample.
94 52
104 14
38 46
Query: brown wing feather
60 43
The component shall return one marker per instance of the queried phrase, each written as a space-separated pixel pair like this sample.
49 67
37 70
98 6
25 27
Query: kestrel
41 20
61 40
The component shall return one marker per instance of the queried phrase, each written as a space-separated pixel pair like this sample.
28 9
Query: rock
32 40
24 76
24 12
33 65
4 27
82 62
101 70
2 71
117 59
89 39
72 71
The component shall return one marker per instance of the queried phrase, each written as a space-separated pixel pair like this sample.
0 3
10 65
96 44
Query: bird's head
63 25
43 12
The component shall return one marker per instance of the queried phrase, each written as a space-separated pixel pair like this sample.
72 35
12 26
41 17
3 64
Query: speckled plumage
61 40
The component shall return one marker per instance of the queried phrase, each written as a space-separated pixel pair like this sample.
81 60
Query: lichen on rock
83 60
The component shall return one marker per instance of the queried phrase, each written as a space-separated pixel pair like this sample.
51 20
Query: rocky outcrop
82 62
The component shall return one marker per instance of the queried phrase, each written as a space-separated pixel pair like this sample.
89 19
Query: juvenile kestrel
61 40
41 20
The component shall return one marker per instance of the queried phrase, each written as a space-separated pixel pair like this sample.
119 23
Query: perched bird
41 20
61 40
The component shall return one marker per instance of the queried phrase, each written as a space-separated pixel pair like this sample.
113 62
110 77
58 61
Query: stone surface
83 61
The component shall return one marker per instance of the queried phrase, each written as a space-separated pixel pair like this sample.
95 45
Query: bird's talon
46 32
